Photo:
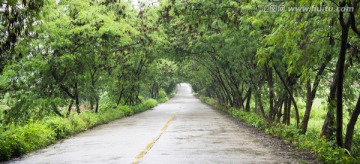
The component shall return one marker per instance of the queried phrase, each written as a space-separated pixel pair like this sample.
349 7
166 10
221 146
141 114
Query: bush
37 135
77 124
113 114
116 115
20 140
162 94
162 100
126 110
12 143
250 118
150 103
89 118
5 148
59 125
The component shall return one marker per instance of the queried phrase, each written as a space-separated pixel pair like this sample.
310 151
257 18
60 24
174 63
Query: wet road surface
182 130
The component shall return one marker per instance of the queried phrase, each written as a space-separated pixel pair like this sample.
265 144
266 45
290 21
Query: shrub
89 118
126 110
12 143
112 114
17 140
150 103
162 100
59 125
162 94
77 124
324 150
5 148
138 108
250 118
117 114
37 135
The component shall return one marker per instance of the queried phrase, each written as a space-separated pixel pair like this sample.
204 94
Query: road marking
152 142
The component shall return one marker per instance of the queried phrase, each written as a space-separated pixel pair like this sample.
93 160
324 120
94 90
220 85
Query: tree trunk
97 105
309 102
256 108
247 108
289 90
69 108
77 104
340 76
310 94
93 90
235 88
238 103
328 127
77 101
279 108
286 103
351 125
287 109
223 85
91 104
55 109
120 97
259 100
270 82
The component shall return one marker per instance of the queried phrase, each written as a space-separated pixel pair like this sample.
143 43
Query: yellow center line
152 142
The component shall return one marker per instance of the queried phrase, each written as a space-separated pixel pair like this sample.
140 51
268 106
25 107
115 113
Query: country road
182 130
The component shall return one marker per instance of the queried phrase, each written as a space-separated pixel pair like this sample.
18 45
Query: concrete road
182 130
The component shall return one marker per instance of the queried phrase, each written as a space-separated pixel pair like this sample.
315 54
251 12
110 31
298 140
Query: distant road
182 130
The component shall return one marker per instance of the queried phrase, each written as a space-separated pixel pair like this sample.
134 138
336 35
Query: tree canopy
56 55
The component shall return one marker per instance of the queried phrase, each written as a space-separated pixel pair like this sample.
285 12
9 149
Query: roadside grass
325 151
18 140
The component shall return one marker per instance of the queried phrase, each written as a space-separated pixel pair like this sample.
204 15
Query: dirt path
182 130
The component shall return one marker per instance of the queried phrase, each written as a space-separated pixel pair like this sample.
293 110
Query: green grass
318 114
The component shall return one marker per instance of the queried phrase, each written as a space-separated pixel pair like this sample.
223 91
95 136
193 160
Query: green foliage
150 103
77 124
90 118
110 55
126 110
162 100
37 135
239 54
104 53
250 118
109 115
324 150
61 126
162 94
17 140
